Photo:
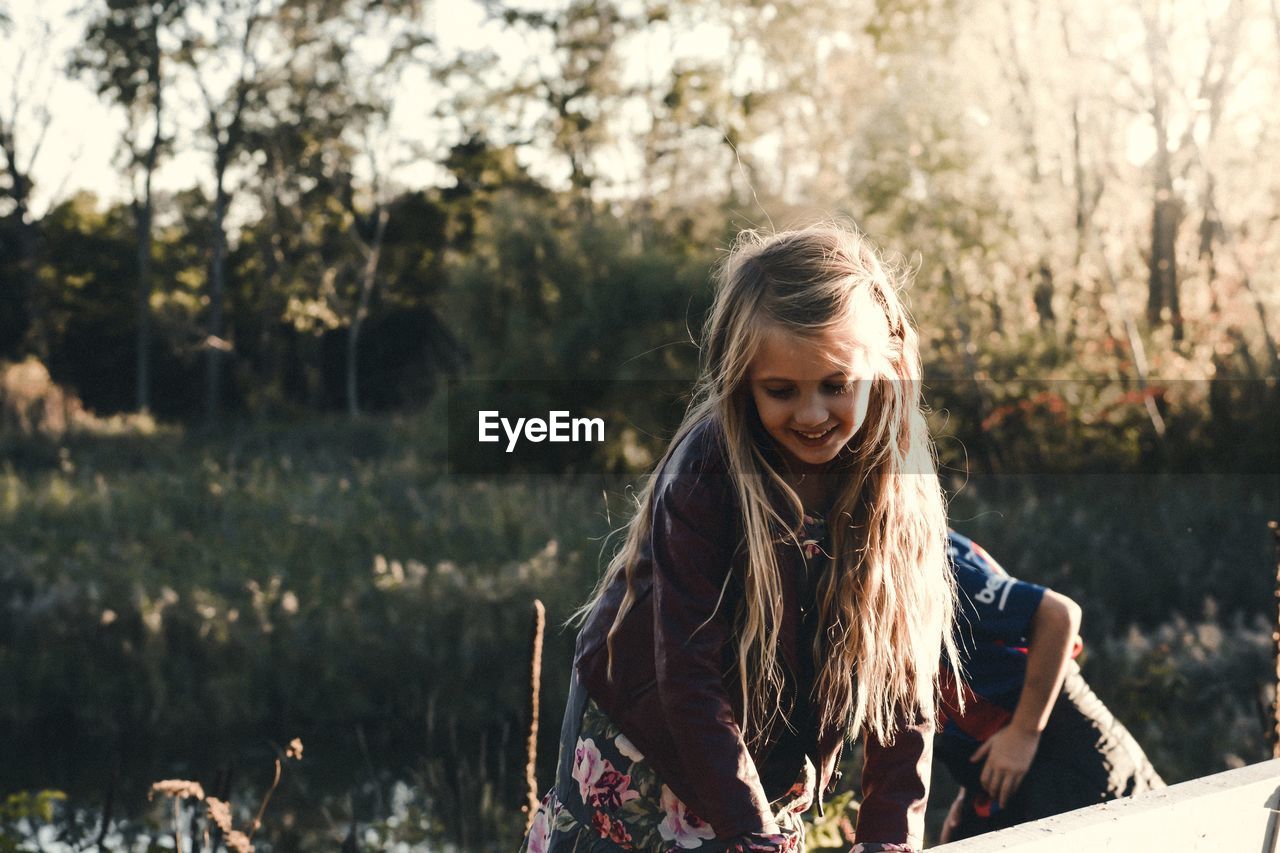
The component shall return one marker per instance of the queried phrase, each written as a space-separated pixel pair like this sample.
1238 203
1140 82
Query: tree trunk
1210 230
28 329
367 281
1273 351
1042 296
144 218
1081 222
215 344
143 342
1162 270
31 333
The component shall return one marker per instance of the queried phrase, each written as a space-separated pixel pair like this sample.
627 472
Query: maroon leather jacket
674 690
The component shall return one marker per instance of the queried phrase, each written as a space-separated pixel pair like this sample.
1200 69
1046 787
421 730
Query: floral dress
616 802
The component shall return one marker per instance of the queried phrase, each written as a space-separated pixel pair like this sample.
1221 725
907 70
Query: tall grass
175 602
170 598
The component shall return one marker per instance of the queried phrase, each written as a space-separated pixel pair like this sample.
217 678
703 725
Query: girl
782 585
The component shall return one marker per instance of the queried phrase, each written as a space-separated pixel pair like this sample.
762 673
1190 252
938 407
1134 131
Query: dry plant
535 689
31 403
217 811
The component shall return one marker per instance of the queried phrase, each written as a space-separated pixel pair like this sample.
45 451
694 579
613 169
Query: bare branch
1275 20
15 99
60 194
45 118
1216 74
1125 72
1136 348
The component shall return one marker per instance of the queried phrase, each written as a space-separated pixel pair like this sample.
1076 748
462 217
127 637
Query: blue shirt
993 621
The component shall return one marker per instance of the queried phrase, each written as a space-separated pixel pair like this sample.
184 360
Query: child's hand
1008 755
778 841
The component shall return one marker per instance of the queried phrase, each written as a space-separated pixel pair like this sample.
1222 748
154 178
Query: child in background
792 535
1033 740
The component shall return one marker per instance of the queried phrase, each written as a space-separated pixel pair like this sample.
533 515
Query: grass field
177 605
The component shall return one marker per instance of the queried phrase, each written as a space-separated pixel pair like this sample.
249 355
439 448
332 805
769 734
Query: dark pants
1086 756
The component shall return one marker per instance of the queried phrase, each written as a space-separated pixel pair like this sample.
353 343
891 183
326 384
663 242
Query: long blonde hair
887 603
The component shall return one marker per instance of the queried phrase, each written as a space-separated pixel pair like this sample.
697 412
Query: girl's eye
838 387
779 393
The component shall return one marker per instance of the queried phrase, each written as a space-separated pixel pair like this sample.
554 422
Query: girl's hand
1008 755
766 842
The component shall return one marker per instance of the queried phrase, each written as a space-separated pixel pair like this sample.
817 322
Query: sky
80 151
80 148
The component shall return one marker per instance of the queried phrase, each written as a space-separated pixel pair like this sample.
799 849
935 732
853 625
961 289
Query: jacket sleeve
895 787
692 556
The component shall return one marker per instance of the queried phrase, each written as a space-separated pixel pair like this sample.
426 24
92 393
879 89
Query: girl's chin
810 460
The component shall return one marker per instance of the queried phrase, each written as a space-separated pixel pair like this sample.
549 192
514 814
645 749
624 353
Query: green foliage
26 805
1108 538
1219 674
37 814
324 579
834 830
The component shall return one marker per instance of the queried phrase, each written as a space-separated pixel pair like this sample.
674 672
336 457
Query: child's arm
691 631
895 788
1009 752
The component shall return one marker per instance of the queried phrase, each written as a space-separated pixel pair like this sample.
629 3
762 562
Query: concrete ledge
1236 811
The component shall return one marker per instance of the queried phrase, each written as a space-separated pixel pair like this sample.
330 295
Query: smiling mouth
813 437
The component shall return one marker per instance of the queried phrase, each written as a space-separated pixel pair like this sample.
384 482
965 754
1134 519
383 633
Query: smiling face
812 392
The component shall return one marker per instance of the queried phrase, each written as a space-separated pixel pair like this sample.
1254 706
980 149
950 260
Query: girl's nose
811 411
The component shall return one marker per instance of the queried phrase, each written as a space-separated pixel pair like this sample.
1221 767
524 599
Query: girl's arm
692 556
1009 752
895 788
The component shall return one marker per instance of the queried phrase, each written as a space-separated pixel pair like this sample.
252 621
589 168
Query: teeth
814 434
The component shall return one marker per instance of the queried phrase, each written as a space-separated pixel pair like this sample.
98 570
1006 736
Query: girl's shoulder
698 451
696 469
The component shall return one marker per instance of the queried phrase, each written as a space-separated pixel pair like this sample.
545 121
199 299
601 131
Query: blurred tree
577 80
90 317
122 51
1196 107
332 160
1166 211
366 188
561 102
291 258
1086 185
223 49
24 124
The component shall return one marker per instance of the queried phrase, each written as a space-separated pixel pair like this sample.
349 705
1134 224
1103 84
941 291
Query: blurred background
246 246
